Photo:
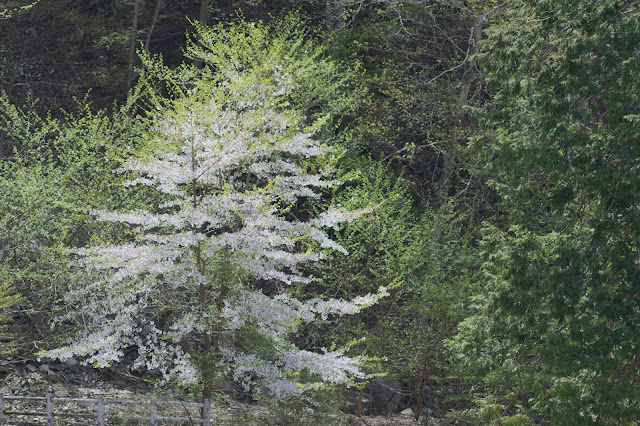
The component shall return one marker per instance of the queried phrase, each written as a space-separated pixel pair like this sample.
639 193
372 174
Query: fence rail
100 414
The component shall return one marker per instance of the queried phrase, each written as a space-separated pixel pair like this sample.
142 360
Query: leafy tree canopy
563 270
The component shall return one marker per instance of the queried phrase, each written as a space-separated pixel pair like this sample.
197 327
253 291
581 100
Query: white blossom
244 159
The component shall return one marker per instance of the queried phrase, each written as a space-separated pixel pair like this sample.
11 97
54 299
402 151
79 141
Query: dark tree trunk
204 12
132 47
156 12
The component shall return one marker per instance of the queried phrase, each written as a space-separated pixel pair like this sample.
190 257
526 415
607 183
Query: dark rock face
380 396
385 395
351 397
72 362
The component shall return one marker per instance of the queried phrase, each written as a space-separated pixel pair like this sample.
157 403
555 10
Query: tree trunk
132 47
204 12
156 12
333 11
209 346
206 364
421 388
451 151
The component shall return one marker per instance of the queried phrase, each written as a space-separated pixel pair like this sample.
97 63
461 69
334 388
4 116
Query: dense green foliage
59 168
562 268
423 258
495 144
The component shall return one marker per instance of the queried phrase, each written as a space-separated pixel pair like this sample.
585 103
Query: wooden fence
101 415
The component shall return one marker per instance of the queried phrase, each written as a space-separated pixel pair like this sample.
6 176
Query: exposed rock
54 378
72 362
58 366
407 412
14 328
85 382
351 396
385 395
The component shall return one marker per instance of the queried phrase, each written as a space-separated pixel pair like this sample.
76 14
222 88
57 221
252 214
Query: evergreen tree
563 268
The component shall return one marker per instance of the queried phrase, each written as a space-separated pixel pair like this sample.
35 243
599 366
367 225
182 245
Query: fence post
154 414
100 410
3 420
206 412
50 409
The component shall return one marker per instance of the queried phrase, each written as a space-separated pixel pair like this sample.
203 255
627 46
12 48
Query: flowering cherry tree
207 273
